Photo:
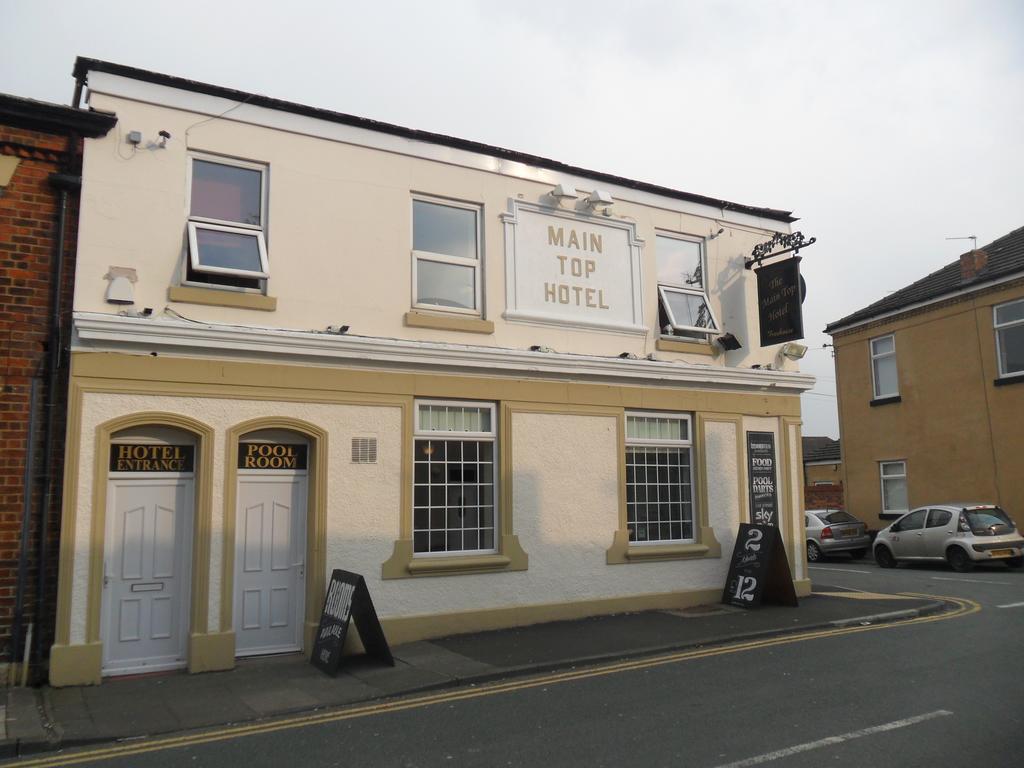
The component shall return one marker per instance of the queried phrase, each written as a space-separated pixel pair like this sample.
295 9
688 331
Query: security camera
165 134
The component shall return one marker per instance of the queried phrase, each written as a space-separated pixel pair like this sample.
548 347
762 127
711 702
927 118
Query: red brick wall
824 496
28 210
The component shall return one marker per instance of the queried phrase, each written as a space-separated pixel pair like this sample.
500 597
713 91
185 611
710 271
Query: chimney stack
971 264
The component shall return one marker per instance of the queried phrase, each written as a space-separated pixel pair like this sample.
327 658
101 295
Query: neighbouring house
502 388
40 163
823 473
931 402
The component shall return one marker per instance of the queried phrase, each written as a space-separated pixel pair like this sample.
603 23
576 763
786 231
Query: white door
270 564
146 573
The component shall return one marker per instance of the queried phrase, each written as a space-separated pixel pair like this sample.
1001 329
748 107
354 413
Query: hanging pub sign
144 457
779 296
272 455
347 599
764 497
759 571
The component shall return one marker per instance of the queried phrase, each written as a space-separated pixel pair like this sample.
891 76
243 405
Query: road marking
965 607
1011 605
864 595
841 570
970 581
831 740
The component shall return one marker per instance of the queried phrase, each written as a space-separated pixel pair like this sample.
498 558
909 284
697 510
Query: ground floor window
659 480
454 487
894 487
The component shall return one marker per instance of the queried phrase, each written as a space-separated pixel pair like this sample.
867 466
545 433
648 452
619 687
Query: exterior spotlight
598 199
564 191
793 351
340 330
728 342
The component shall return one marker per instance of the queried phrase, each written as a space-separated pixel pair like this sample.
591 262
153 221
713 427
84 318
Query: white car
959 534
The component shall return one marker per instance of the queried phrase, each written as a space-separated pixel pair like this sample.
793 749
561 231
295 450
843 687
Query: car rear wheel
1015 562
959 560
884 557
857 554
814 554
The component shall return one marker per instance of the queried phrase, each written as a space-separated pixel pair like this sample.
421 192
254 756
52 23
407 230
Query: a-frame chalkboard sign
758 571
347 598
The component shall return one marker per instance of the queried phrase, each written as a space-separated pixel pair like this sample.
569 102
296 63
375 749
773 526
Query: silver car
833 530
959 534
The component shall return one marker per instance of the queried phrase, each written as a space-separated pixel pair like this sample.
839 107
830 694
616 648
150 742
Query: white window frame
998 328
492 436
257 231
442 258
656 443
702 292
874 374
882 477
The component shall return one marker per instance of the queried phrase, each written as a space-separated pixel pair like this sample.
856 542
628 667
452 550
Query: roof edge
84 65
56 118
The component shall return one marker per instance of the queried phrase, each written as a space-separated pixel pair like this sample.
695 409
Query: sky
886 127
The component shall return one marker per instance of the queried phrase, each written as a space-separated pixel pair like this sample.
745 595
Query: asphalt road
947 691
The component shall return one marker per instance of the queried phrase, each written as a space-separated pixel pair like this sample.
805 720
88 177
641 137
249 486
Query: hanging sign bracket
791 243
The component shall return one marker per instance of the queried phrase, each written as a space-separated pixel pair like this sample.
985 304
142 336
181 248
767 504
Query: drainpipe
64 183
26 517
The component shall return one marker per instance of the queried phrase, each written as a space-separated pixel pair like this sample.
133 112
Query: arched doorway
149 522
271 515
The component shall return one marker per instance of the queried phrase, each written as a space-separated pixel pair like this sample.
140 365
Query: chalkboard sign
779 295
759 572
347 599
764 498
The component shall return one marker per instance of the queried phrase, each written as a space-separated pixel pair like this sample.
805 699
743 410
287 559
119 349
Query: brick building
40 163
823 473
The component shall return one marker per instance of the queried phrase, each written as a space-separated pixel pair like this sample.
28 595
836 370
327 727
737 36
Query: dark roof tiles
821 449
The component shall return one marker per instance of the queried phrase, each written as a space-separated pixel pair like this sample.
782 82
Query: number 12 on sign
745 588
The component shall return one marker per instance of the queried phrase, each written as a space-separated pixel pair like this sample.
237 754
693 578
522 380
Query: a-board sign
779 296
758 571
764 496
146 457
347 599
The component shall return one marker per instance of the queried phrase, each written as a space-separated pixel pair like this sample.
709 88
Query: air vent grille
364 450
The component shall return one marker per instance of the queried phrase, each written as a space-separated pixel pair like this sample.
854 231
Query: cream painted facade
215 364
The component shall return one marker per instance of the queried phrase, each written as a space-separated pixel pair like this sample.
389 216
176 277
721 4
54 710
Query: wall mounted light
121 288
728 342
793 351
598 200
564 192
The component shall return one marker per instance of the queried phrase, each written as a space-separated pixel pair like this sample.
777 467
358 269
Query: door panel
269 562
146 586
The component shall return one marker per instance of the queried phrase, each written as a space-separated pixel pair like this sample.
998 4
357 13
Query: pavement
42 719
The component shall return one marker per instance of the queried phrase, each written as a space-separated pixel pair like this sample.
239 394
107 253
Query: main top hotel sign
570 268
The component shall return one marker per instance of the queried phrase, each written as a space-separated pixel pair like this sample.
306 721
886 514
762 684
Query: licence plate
850 533
1001 552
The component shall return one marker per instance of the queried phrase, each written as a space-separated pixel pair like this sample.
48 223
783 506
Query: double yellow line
964 608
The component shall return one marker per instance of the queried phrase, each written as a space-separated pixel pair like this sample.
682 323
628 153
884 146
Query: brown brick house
823 473
40 163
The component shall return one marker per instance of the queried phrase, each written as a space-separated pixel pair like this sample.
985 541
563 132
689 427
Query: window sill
216 298
416 319
1002 381
691 347
403 563
623 551
885 400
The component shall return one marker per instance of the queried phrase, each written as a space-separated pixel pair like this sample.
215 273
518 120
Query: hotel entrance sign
572 268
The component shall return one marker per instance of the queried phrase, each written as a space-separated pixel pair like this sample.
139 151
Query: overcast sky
885 126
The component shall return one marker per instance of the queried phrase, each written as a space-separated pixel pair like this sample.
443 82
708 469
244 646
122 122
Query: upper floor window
1009 327
883 367
682 287
446 256
226 224
659 481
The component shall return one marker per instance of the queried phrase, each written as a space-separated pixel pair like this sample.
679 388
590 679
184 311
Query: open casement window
659 478
454 478
1009 328
682 288
446 256
226 226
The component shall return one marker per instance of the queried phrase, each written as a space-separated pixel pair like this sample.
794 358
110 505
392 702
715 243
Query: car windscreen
984 520
835 518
